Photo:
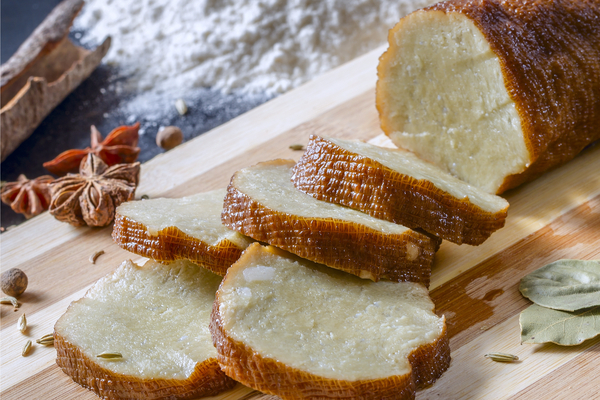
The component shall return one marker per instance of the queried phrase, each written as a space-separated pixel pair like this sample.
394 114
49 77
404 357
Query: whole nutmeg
169 137
13 282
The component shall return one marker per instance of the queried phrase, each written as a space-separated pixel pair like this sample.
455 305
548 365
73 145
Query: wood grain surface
476 288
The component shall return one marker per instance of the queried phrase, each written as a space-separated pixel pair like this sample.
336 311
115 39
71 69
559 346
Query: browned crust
339 244
331 173
247 366
206 380
549 52
172 244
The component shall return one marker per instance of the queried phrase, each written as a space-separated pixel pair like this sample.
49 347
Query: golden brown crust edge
247 366
550 63
331 173
206 380
342 245
172 244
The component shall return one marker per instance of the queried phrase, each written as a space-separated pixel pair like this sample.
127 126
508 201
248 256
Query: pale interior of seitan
442 95
323 321
270 184
407 163
198 216
156 316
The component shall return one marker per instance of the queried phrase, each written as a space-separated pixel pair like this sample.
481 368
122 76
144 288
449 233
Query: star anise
91 197
28 197
120 146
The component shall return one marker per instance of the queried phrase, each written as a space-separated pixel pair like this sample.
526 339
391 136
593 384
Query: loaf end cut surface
494 92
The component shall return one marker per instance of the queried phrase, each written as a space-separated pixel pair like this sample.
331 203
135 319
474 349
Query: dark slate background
68 125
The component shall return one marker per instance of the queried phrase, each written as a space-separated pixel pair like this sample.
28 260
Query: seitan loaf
495 92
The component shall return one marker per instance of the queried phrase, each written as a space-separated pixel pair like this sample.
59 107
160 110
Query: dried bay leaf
567 285
542 325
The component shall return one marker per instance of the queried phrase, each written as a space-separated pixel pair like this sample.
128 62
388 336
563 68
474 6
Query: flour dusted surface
169 47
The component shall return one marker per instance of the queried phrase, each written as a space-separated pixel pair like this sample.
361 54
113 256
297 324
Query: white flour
168 47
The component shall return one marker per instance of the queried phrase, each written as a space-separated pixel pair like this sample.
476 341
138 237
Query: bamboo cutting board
476 288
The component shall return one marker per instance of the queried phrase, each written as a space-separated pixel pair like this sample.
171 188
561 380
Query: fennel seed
502 357
110 356
296 147
46 340
22 323
26 348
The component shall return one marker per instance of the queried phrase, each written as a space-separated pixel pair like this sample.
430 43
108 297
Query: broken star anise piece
120 146
91 197
27 196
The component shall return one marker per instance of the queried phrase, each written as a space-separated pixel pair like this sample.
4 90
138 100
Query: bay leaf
542 325
567 285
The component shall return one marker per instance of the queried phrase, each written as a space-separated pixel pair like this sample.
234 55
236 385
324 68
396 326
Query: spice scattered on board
502 357
29 197
10 300
26 348
46 340
13 282
91 197
95 256
22 324
567 303
542 325
119 147
567 285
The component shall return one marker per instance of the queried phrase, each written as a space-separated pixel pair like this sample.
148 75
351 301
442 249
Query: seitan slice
186 228
494 92
157 318
397 186
263 203
299 330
